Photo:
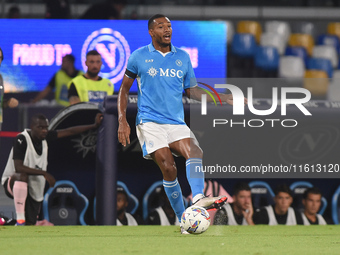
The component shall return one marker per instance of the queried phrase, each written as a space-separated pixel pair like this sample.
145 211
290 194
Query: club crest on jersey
178 62
113 48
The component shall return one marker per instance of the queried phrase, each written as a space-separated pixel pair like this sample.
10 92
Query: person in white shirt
312 203
240 212
124 218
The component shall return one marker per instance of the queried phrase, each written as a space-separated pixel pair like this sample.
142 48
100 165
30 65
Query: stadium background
296 13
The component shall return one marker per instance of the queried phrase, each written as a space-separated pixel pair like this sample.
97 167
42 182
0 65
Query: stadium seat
291 67
305 27
230 31
250 27
267 58
336 206
133 201
280 27
316 81
331 40
64 204
297 51
274 40
298 188
261 193
152 199
320 64
334 29
334 87
243 45
303 40
327 52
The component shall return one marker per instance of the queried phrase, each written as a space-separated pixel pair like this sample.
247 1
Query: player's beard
163 45
119 212
92 74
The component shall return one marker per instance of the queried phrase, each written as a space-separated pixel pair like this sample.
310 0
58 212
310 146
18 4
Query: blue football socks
195 175
174 193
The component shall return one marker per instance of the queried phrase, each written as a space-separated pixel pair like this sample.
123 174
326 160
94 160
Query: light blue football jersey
161 79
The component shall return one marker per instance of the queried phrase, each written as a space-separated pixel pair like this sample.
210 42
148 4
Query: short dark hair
38 116
13 10
312 190
70 57
156 16
241 186
283 188
122 191
92 53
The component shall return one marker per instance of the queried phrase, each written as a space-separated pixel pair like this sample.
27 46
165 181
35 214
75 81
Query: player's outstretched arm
80 129
248 214
123 125
42 94
196 94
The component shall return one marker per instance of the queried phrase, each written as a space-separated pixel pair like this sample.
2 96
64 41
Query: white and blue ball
195 220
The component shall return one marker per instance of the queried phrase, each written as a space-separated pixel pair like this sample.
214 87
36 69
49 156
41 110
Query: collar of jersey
151 48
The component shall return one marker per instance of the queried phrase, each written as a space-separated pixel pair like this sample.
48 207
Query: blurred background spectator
111 9
14 12
57 9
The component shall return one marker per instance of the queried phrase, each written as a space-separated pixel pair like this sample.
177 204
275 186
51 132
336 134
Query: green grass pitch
159 240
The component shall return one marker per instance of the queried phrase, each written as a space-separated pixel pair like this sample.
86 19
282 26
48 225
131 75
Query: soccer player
163 71
281 212
90 87
25 172
312 202
240 212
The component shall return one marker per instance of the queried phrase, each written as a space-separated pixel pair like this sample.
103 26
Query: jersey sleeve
190 78
19 147
132 67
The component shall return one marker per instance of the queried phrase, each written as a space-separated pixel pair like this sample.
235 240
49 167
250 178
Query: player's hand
50 179
12 102
230 100
98 120
124 132
248 214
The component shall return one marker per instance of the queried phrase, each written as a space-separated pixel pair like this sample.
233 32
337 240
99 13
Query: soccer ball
195 220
